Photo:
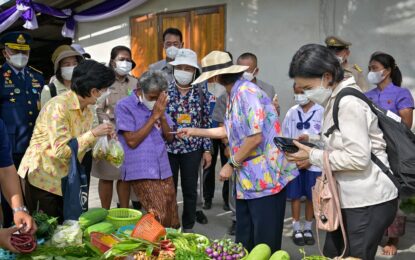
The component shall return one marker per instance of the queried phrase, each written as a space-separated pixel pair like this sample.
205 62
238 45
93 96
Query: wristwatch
24 209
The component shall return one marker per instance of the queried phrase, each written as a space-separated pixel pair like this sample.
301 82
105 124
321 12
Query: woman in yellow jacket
47 159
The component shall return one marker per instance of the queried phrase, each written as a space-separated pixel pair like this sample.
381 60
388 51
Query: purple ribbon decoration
26 10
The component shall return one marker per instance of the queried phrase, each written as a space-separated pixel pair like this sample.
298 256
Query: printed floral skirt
159 197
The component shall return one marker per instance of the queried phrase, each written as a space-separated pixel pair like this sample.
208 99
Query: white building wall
275 29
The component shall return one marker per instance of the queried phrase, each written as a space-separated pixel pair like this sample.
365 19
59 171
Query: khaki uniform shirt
357 73
118 90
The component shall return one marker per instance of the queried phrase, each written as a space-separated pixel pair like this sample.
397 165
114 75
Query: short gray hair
153 80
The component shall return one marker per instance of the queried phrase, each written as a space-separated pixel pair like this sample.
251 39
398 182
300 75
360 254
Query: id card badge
394 116
184 119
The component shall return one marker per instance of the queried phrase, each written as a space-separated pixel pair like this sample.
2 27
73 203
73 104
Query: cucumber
260 252
92 217
103 227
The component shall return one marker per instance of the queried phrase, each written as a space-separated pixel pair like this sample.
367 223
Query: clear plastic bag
67 234
101 148
115 153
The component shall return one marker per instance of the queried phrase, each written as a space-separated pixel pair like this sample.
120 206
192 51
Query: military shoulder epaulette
38 71
356 67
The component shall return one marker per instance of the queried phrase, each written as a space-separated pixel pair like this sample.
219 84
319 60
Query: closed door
144 42
203 31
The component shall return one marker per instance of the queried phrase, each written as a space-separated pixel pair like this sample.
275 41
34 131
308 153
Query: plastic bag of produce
100 149
115 153
67 234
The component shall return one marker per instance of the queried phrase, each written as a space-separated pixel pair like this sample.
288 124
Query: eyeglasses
169 44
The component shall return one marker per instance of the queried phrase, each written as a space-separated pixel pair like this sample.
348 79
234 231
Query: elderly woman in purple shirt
143 127
389 95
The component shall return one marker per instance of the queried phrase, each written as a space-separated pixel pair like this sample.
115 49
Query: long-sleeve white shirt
360 182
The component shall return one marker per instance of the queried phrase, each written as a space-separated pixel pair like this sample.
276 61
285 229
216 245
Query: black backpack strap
52 89
386 170
356 93
346 92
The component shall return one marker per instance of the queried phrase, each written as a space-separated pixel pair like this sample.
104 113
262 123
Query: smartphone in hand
287 145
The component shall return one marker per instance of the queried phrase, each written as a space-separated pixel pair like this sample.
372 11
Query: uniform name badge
184 119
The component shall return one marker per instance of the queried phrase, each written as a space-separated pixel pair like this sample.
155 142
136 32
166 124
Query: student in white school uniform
303 118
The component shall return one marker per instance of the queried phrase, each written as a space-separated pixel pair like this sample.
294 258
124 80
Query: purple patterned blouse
149 159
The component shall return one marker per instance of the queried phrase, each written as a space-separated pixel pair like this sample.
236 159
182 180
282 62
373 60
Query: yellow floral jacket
47 158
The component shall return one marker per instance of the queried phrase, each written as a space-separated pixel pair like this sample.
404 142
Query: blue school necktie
304 125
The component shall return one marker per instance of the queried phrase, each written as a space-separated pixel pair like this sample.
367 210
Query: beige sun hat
62 52
217 63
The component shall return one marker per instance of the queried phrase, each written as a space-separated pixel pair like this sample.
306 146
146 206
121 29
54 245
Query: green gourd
260 252
280 255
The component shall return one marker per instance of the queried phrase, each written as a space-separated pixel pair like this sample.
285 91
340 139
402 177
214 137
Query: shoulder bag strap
327 175
52 88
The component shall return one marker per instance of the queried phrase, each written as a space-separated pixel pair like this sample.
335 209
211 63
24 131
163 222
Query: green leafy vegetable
47 252
129 245
45 225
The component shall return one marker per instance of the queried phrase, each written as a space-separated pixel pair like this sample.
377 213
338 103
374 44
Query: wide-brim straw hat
62 52
217 63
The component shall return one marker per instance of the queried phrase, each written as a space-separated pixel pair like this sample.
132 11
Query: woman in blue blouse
188 107
389 95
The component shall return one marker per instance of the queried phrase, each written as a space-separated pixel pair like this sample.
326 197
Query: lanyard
304 125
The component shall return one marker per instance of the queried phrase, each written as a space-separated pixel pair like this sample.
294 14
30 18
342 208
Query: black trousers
188 164
209 175
261 221
5 207
87 164
47 202
365 227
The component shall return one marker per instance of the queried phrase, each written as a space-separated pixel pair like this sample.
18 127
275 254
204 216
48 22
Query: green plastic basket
123 217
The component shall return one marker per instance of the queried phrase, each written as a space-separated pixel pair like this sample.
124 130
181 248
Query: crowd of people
179 117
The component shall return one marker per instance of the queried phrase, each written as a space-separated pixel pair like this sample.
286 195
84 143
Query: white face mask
123 67
341 59
19 60
301 99
103 97
171 52
249 75
67 72
319 95
149 104
216 89
375 77
183 77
